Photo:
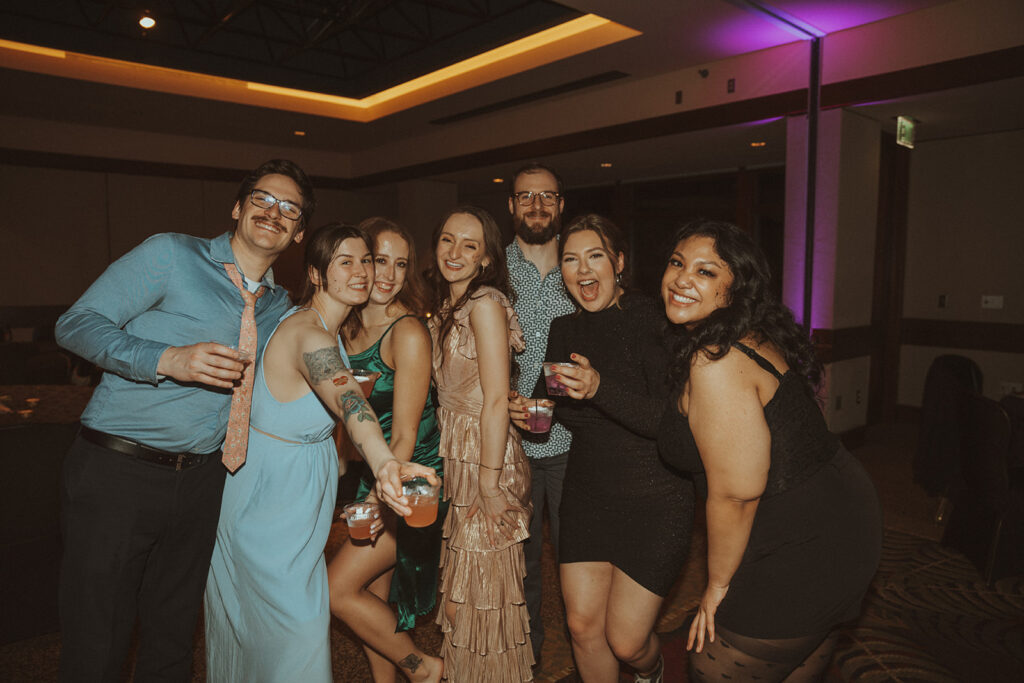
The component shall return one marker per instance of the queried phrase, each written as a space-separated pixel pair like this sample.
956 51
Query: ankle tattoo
412 662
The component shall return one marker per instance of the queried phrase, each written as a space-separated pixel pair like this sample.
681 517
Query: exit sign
905 128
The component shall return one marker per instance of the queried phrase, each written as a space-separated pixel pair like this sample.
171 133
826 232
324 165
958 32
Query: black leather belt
134 449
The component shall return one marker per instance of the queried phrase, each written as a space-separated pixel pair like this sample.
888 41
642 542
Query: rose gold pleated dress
489 639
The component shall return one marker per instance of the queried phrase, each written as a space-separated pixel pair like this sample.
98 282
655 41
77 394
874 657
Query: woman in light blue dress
267 600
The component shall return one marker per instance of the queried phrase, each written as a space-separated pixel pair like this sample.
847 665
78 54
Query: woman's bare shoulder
410 332
304 332
708 372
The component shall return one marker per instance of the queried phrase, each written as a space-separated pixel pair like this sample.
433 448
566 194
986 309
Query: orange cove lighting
570 38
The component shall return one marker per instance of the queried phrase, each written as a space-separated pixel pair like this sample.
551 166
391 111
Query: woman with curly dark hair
794 525
487 480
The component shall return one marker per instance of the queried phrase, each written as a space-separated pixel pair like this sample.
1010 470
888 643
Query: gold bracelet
482 495
488 467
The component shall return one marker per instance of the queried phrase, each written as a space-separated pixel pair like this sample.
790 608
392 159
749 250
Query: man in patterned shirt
536 202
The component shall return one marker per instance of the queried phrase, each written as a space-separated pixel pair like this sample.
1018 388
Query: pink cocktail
539 413
554 387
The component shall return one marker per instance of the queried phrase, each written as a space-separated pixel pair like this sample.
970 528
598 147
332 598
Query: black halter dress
816 539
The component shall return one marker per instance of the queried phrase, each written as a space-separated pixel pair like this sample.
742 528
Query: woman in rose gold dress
487 479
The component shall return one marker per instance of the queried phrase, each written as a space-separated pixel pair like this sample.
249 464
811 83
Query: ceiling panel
347 48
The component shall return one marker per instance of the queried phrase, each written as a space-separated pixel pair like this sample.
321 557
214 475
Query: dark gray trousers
546 491
137 543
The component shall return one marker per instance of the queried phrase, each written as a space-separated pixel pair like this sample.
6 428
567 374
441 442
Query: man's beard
537 234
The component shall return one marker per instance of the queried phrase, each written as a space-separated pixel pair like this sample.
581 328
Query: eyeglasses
525 198
265 200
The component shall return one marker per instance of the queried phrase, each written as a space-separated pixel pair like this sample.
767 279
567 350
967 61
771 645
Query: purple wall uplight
837 15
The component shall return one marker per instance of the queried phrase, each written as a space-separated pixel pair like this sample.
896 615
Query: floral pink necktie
237 440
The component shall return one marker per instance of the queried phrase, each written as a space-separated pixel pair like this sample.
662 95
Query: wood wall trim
78 162
991 66
834 345
963 334
954 73
756 109
159 169
30 316
842 344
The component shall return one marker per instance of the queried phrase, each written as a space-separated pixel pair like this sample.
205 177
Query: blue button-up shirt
538 302
171 290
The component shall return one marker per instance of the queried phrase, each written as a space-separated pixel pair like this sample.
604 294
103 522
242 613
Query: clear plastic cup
244 357
540 411
555 388
360 517
422 496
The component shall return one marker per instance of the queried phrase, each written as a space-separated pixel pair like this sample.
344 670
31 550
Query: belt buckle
180 459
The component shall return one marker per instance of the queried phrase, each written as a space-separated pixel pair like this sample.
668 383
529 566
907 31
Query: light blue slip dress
267 602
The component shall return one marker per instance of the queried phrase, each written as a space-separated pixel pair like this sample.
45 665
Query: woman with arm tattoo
267 607
400 566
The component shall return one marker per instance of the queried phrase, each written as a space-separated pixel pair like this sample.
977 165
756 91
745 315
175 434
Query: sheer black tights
739 658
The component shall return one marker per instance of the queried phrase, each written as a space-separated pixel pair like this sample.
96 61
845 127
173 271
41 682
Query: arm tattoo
323 363
411 662
353 403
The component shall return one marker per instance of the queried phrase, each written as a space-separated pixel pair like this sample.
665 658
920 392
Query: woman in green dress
400 566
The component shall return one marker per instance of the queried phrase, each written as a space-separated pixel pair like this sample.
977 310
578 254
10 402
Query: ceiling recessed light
147 21
301 133
758 144
497 180
606 164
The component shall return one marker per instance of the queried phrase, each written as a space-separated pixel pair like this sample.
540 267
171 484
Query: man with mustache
536 203
142 483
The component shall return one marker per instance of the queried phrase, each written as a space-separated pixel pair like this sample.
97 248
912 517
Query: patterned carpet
930 617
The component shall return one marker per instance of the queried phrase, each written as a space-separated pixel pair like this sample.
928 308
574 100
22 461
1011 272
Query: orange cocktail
422 496
366 380
424 511
360 518
359 530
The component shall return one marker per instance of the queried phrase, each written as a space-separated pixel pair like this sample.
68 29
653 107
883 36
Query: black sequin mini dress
620 503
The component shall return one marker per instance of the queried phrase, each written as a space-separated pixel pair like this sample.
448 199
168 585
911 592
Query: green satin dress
418 553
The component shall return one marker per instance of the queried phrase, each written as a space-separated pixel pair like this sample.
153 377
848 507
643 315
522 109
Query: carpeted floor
928 616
